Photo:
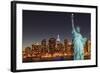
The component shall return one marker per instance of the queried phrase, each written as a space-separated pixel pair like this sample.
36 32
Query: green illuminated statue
78 42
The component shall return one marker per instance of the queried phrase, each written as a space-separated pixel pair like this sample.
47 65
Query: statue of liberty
78 42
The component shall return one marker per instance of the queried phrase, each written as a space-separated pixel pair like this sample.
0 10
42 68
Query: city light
53 50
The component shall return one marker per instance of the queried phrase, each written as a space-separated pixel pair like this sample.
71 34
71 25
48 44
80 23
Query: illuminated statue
78 42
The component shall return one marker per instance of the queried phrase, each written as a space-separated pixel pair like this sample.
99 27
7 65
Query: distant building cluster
53 50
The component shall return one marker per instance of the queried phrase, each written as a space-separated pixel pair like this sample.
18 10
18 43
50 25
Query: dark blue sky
38 25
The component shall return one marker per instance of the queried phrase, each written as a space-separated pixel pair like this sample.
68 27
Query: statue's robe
78 45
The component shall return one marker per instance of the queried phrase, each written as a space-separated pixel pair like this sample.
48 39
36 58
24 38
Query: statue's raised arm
72 18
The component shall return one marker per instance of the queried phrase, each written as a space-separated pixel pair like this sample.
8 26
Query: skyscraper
58 38
52 45
43 45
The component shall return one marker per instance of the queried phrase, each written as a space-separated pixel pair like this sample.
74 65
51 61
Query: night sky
38 25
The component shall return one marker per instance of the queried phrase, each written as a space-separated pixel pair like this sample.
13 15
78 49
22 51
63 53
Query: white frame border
38 65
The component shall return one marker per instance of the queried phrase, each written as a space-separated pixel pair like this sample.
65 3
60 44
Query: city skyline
38 25
47 41
53 50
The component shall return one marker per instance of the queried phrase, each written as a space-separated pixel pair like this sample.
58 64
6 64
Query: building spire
58 38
